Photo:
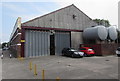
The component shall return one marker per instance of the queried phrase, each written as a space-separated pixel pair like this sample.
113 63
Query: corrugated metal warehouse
50 33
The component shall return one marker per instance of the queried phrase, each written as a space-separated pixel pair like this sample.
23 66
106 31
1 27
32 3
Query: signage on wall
22 40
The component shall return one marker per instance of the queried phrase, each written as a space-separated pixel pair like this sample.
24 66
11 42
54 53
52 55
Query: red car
87 51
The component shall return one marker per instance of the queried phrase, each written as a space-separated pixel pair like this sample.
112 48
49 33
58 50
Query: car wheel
81 56
72 56
63 54
118 55
85 54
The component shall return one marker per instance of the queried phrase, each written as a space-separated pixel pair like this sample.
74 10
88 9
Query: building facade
50 33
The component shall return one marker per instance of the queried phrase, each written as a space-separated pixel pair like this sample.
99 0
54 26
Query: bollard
57 79
21 58
18 57
35 70
30 65
43 74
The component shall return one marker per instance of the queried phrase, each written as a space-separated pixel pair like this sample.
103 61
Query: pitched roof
56 11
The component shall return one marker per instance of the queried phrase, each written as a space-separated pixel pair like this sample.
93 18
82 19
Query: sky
29 9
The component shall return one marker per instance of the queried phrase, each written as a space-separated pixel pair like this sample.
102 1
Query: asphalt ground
97 67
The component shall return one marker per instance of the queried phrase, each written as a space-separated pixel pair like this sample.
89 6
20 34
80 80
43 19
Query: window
68 48
82 49
118 49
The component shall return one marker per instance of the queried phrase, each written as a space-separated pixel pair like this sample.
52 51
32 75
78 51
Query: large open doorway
52 45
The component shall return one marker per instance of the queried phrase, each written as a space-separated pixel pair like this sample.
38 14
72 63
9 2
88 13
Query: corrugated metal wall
76 39
37 43
62 40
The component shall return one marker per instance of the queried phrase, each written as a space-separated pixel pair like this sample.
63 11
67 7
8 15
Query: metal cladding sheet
98 32
62 40
37 43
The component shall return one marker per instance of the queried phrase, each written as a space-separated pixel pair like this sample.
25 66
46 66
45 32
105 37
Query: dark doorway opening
52 45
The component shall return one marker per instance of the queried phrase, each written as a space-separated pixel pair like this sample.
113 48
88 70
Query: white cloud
14 7
39 9
0 22
103 9
20 11
27 17
26 0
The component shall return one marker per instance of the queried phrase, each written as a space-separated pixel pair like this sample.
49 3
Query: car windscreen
73 50
118 49
89 49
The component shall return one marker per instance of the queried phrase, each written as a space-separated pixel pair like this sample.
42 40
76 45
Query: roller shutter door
36 43
62 40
